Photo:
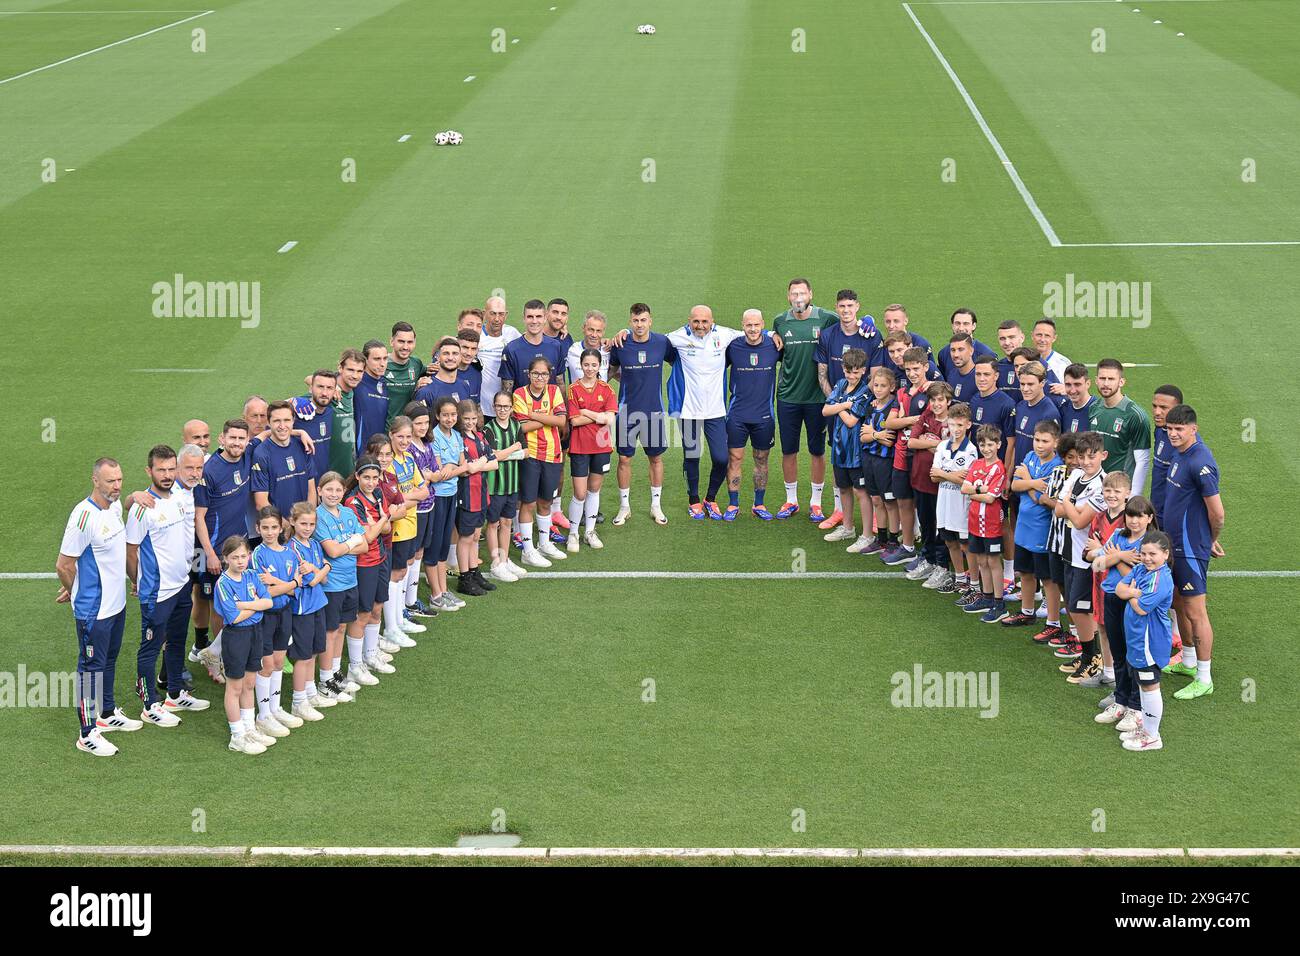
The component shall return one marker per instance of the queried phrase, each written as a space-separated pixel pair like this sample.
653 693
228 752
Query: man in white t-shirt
92 571
492 342
593 334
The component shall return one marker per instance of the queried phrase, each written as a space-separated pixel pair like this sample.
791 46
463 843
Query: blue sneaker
558 537
815 513
875 547
711 508
732 512
787 509
996 612
697 512
914 564
420 609
760 512
979 606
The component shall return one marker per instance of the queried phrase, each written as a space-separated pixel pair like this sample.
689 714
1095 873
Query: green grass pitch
772 695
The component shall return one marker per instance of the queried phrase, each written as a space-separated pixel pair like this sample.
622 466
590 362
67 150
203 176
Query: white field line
287 246
972 3
874 853
106 46
1131 245
404 137
171 370
1021 188
469 78
709 575
52 13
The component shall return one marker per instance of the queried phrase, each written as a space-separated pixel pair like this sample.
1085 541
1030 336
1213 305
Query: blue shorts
879 473
793 418
277 628
241 649
440 525
205 581
647 429
468 522
502 506
539 480
1190 575
849 477
372 586
761 435
403 553
308 638
580 466
423 528
340 608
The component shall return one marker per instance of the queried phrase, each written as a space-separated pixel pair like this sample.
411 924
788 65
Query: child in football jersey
364 496
927 434
278 569
308 638
912 399
845 406
878 461
241 598
1058 544
984 483
421 424
1149 591
952 461
1030 483
1081 501
503 487
472 496
1115 491
1114 558
342 538
593 409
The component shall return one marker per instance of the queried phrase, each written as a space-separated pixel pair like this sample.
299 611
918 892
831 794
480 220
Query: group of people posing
310 526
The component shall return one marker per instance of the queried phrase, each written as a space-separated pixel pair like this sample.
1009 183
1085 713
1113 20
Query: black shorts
977 545
1032 562
849 477
647 429
902 485
879 473
423 529
340 608
949 535
760 435
206 582
539 480
1056 570
277 627
1078 590
503 506
241 649
372 586
793 418
308 638
468 522
580 466
404 554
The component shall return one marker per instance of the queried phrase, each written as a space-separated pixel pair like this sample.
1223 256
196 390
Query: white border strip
1133 245
872 853
1021 188
106 46
709 575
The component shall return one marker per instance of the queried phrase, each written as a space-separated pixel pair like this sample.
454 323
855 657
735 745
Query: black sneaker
481 581
600 517
468 586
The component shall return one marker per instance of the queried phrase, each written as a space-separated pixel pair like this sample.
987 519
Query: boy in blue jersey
447 381
847 405
1194 519
282 467
471 372
961 367
1162 456
313 413
1149 591
1033 408
751 391
638 364
1077 404
1011 337
878 456
534 343
307 642
963 322
1029 482
370 397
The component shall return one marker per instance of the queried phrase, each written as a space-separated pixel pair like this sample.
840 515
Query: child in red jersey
984 483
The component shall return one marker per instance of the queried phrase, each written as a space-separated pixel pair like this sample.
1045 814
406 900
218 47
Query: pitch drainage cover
483 841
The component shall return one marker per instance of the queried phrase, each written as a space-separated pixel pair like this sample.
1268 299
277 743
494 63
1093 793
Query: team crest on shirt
238 479
1119 423
956 392
322 429
753 358
1024 423
845 347
290 464
379 388
979 414
1173 470
640 357
1160 447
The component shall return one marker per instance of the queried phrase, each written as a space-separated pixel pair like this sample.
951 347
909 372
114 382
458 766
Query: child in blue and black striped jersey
878 460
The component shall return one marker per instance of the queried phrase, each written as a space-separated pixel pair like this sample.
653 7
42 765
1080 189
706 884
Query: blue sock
734 498
758 497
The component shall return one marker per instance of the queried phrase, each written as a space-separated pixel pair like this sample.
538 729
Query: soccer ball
454 138
645 29
441 139
649 29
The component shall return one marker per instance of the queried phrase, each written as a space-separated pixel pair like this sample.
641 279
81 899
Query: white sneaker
209 659
516 570
185 702
305 711
244 744
349 685
1042 611
1130 722
358 674
159 716
286 719
383 655
388 642
572 544
401 640
864 541
342 696
94 743
1142 742
548 549
452 602
658 514
841 534
593 541
938 578
920 572
534 559
623 514
377 665
193 657
503 574
410 627
1112 714
321 702
270 727
256 735
117 720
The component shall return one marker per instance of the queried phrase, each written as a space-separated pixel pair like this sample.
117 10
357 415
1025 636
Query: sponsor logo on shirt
1204 471
1189 586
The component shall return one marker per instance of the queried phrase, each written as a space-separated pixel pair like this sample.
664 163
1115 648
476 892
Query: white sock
816 500
792 492
655 495
543 529
277 682
237 729
412 583
262 685
356 650
515 526
624 498
309 690
575 515
1203 670
835 495
593 508
1153 707
371 640
215 646
336 665
526 529
299 697
1008 569
246 717
326 674
392 610
1108 672
1189 655
557 505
